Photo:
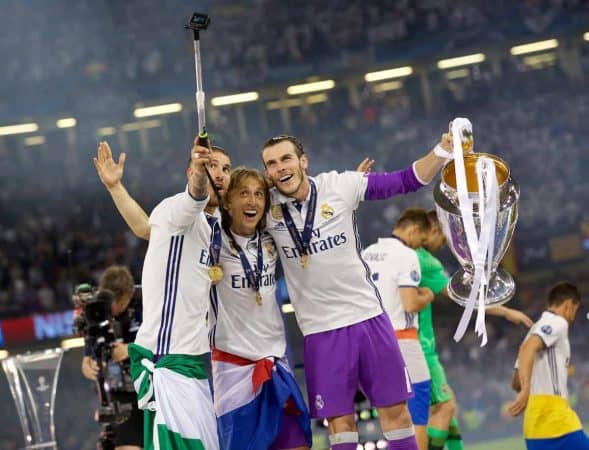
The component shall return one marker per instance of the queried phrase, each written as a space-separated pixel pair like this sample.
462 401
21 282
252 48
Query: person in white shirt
167 363
395 269
541 377
349 342
247 334
242 263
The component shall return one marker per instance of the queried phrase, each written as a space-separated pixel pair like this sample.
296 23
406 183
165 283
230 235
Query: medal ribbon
215 240
253 276
302 241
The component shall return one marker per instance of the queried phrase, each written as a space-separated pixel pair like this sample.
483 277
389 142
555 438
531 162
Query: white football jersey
550 371
394 265
335 289
238 325
175 281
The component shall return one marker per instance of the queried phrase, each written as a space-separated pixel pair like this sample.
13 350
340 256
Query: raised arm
111 174
428 166
383 185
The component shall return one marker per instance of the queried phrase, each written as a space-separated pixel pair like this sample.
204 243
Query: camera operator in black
126 313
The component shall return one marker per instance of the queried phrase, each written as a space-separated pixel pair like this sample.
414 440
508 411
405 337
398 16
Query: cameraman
126 320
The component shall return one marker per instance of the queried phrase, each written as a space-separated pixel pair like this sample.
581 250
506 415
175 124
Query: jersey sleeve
177 212
351 185
410 275
550 331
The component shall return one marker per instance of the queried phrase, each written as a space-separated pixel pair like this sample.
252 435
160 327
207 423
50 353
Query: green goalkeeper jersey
433 276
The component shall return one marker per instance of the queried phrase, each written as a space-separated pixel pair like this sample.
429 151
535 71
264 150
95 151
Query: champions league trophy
477 205
32 378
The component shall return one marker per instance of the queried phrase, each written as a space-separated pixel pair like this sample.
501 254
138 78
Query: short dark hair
238 175
299 149
432 216
117 279
563 291
414 216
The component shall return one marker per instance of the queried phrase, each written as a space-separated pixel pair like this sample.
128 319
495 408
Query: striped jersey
393 265
238 325
335 289
549 375
548 414
175 282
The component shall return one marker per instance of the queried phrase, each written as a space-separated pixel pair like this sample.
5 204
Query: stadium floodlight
533 47
34 140
287 308
106 131
157 110
586 36
465 60
4 354
72 343
387 86
314 86
388 74
66 122
235 98
19 129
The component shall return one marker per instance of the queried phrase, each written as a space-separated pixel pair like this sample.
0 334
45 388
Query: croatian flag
251 398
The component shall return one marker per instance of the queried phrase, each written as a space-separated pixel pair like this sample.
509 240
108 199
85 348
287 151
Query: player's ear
304 162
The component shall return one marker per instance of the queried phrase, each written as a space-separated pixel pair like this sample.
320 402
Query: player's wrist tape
442 153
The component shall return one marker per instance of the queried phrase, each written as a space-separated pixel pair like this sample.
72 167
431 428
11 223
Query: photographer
126 317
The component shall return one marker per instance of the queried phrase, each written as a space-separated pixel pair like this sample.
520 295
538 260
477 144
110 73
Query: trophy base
501 288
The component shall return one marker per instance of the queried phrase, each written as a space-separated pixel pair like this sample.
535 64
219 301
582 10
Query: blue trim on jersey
214 299
366 268
553 369
165 302
170 292
175 295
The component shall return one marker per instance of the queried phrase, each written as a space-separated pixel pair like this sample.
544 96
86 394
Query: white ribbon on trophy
481 245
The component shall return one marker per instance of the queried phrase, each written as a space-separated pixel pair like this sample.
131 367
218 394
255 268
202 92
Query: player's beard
295 184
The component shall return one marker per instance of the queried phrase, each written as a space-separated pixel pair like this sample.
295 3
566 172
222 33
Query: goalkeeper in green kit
443 427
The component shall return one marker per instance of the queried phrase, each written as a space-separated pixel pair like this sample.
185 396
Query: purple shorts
290 435
363 356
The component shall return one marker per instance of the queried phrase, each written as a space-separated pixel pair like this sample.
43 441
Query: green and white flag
175 396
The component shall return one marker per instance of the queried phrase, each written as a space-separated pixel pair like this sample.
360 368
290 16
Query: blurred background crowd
97 62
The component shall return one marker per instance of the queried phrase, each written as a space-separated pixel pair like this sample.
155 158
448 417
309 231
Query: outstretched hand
518 317
109 171
365 165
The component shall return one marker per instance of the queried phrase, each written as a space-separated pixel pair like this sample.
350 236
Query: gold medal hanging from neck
304 260
259 298
215 274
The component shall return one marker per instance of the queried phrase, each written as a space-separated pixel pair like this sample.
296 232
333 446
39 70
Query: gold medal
276 212
259 298
215 274
304 261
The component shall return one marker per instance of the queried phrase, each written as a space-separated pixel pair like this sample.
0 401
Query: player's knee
341 424
394 417
448 409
